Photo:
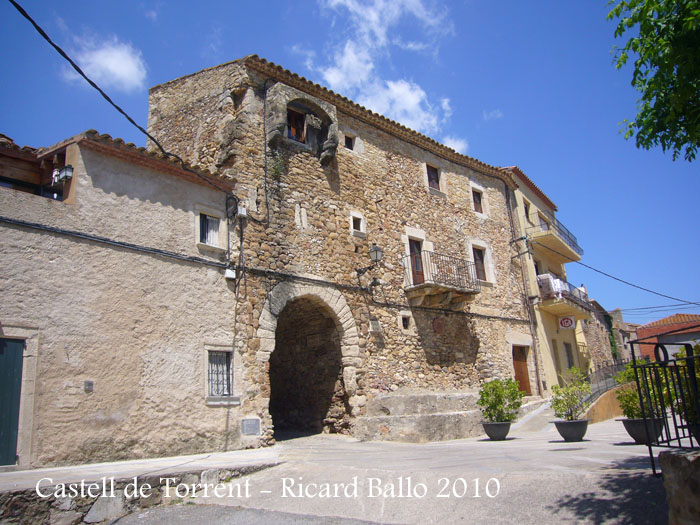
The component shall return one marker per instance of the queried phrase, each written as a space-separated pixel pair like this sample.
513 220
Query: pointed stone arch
285 292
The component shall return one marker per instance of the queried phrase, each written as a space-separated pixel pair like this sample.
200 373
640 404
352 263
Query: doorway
415 249
307 395
11 356
522 375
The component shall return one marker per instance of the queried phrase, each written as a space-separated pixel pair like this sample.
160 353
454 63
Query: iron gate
668 392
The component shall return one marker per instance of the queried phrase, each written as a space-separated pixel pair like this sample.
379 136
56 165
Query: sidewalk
26 479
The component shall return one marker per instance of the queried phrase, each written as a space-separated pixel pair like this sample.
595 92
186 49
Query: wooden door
11 355
520 367
415 249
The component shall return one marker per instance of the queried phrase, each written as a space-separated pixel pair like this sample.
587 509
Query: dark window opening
357 224
349 142
238 97
479 257
476 196
296 126
433 177
569 355
405 321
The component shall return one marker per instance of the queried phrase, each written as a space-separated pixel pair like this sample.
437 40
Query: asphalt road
533 477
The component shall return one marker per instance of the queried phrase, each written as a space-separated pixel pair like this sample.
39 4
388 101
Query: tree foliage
666 47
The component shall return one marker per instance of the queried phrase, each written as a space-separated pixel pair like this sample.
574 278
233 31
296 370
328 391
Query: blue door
11 354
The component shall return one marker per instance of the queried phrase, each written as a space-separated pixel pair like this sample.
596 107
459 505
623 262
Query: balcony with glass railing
553 238
435 279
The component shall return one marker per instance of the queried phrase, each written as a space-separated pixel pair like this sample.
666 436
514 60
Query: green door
11 353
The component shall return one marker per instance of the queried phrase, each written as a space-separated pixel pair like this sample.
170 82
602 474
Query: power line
108 99
652 307
616 278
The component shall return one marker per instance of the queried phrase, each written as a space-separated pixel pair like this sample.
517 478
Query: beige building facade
569 329
167 308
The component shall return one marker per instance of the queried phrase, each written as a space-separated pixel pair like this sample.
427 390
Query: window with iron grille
433 177
219 373
208 230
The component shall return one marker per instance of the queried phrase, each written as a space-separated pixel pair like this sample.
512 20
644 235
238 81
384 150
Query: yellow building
557 306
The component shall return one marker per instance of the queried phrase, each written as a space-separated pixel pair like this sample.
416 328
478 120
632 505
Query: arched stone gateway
309 337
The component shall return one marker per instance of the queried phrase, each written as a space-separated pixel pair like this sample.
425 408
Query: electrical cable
108 99
615 278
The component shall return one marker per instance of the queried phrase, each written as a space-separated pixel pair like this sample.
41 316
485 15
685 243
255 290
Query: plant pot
635 428
572 430
496 431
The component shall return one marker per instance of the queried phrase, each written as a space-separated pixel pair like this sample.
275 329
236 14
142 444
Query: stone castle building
311 266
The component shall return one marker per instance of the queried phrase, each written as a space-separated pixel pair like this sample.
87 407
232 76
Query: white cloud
213 43
446 108
308 54
492 115
457 144
403 101
151 14
411 45
353 69
111 64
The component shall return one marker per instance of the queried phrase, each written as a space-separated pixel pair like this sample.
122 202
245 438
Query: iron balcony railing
552 287
551 224
439 269
602 378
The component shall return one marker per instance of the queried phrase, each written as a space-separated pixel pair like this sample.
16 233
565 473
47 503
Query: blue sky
507 82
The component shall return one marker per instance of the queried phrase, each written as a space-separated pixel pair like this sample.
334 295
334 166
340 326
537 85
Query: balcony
437 280
552 234
561 298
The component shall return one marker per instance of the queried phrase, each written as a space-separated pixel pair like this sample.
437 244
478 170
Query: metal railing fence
440 269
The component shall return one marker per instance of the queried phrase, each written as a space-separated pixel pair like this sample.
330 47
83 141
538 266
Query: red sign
567 323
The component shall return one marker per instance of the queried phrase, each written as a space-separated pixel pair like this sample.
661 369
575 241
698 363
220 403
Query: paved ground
533 477
26 479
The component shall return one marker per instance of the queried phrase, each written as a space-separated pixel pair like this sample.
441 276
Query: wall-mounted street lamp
375 255
66 173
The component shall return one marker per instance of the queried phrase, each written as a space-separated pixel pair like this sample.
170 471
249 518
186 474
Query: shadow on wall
628 493
446 338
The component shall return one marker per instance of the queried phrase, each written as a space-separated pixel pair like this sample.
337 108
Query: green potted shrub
569 403
499 401
631 406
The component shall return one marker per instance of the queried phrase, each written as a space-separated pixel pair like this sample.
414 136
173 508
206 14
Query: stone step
419 428
421 403
427 426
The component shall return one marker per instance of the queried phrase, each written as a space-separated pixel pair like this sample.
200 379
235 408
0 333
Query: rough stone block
106 508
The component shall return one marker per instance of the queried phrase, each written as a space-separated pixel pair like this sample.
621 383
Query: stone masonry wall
215 119
597 335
